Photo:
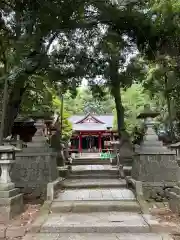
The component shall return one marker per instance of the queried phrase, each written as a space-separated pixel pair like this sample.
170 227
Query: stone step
88 156
92 167
93 183
93 176
100 222
90 162
95 194
97 236
94 171
95 206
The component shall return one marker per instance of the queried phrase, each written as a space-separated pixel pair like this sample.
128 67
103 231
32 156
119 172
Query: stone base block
33 190
126 161
156 191
127 170
63 171
178 161
151 190
33 171
52 188
7 186
174 199
9 194
10 207
113 161
174 203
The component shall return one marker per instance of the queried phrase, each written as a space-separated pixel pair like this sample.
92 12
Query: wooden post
80 143
112 137
99 142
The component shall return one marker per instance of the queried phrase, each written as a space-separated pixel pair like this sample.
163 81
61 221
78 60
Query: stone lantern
7 158
39 141
148 115
11 202
154 167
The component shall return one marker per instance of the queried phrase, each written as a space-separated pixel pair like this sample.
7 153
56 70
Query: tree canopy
55 44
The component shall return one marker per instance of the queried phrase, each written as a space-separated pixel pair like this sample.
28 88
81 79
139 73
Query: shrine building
92 133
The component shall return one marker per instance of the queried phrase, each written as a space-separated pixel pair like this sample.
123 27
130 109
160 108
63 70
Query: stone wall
32 172
156 168
156 173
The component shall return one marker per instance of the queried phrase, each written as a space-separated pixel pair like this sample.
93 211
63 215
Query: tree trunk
119 109
32 64
13 105
115 91
167 97
125 146
4 100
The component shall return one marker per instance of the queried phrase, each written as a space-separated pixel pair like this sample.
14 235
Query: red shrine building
92 133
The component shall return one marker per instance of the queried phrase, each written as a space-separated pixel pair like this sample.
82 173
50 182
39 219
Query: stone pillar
154 167
115 161
11 201
19 142
176 147
125 150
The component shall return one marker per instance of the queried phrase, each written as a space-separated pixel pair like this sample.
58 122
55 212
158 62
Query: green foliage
42 99
93 39
38 97
134 99
86 102
67 126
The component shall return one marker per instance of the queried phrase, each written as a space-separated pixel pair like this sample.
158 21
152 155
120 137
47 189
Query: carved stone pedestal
123 150
154 167
35 166
126 150
11 201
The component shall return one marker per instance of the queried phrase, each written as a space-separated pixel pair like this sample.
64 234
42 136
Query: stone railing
14 142
173 196
176 147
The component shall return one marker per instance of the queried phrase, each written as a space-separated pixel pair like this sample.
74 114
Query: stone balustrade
176 147
173 195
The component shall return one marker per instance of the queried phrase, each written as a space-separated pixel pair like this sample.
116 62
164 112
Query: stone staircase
94 204
89 159
94 172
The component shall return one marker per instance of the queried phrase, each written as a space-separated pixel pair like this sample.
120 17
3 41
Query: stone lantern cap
9 149
175 145
147 113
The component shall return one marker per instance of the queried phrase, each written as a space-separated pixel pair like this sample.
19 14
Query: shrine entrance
90 143
90 134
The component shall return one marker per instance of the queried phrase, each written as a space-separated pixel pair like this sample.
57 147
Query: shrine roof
91 122
89 127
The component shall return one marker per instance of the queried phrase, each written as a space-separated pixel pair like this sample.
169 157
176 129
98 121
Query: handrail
118 159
